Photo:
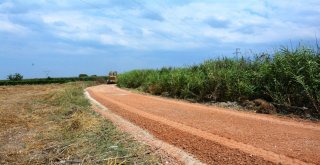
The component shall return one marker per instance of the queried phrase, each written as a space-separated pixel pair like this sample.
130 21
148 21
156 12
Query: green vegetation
83 75
54 124
50 80
15 77
289 78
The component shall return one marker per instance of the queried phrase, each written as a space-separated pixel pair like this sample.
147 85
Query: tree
83 75
15 77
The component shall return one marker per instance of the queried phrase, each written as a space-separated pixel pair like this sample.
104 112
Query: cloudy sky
40 38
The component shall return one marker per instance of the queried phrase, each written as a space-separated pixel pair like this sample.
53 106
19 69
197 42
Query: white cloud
9 27
6 5
111 40
194 24
79 26
266 22
91 31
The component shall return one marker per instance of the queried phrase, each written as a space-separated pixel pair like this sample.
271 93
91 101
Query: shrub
15 77
83 75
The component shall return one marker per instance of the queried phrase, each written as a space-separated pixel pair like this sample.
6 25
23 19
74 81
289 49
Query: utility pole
237 52
47 72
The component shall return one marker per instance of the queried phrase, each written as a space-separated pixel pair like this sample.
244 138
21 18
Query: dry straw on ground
53 124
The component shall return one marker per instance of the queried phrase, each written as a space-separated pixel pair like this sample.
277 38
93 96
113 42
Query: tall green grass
288 77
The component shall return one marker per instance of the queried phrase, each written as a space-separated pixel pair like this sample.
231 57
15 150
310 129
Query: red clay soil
216 135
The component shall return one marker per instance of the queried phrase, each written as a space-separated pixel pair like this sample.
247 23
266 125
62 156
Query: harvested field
54 124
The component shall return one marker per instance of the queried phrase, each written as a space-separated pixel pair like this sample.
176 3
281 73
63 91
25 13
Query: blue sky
41 38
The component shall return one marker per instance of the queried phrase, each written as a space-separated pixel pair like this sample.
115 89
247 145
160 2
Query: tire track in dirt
203 149
211 148
138 133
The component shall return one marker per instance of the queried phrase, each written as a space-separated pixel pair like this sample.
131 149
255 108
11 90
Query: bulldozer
112 78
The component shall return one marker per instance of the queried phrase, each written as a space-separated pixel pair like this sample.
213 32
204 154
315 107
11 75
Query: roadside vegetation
54 124
16 80
289 79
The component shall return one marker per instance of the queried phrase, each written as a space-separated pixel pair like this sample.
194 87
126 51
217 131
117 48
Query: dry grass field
54 124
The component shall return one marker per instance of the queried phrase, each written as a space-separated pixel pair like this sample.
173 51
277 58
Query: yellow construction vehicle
112 79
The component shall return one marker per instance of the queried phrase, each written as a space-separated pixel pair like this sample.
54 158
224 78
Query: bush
83 75
15 77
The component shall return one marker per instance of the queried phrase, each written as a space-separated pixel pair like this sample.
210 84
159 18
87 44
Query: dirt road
216 135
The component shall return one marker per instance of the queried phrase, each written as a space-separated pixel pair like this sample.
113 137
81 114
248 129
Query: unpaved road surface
216 135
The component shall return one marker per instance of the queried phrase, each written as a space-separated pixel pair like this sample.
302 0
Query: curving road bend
216 135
